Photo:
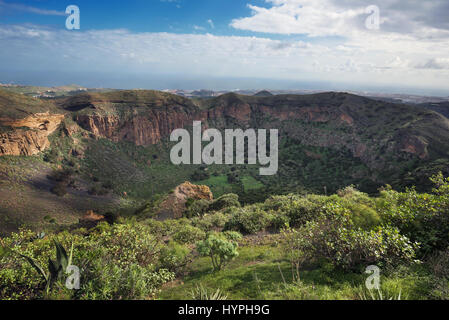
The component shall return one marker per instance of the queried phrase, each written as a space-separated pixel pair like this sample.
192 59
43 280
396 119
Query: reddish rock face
415 145
144 118
157 123
31 141
142 130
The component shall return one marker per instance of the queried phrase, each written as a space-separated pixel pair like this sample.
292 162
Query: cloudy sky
230 44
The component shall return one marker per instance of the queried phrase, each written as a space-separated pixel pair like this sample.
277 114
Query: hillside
18 106
301 247
116 147
442 107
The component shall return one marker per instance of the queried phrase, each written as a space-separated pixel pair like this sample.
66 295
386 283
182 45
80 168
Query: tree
219 249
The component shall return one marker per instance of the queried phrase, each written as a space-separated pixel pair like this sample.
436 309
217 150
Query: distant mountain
263 93
203 93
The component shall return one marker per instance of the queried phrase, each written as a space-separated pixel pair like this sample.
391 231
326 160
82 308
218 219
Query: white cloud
25 8
384 61
422 19
410 32
211 23
434 63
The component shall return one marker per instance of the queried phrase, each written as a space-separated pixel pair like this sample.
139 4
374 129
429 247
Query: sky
397 46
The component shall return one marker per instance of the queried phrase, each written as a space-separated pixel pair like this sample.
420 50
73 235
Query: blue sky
177 16
229 44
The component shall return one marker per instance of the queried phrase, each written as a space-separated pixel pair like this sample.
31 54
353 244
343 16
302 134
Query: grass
250 183
219 185
259 272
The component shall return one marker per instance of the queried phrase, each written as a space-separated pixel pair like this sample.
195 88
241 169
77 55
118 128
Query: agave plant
201 293
379 295
56 268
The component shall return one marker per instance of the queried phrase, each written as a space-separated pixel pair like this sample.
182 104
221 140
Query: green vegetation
343 199
18 106
294 247
219 248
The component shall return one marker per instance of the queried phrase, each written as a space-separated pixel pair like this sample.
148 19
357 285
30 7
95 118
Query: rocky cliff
27 136
374 131
369 129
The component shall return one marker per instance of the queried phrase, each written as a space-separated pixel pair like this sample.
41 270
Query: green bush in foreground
423 218
122 261
219 248
249 220
335 239
56 268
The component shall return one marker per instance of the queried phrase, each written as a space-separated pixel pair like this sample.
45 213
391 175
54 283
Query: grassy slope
259 273
122 102
18 106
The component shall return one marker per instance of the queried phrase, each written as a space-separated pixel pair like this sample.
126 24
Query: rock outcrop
28 136
174 206
91 219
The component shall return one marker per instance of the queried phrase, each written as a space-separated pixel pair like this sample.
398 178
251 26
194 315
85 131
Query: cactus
56 268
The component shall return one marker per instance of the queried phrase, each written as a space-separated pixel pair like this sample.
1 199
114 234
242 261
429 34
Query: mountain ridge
384 136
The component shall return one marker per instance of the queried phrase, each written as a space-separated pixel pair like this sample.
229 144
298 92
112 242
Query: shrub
249 220
56 268
232 235
188 234
280 221
334 239
209 222
111 217
197 208
132 282
97 191
60 189
296 247
199 175
226 201
175 257
219 249
424 218
116 262
298 209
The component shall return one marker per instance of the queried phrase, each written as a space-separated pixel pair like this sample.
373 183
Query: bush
175 257
298 209
197 208
132 282
199 175
188 234
60 189
232 236
296 248
219 249
210 222
423 218
249 220
111 217
226 201
97 191
121 261
335 239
